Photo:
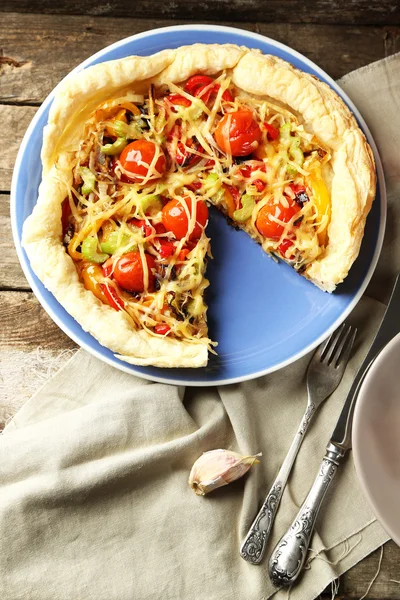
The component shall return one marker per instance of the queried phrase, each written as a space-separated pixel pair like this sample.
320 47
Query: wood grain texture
366 12
28 41
14 122
11 274
354 583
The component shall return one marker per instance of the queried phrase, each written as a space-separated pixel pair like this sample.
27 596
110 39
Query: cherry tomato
272 132
175 219
136 158
162 329
238 133
270 228
112 297
129 273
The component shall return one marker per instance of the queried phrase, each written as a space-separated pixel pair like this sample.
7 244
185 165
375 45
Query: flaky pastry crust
352 184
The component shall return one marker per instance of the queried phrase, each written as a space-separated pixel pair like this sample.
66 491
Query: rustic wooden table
41 41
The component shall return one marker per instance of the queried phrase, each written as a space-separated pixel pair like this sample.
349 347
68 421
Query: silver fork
324 373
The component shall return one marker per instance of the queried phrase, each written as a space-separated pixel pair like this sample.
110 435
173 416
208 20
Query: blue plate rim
131 368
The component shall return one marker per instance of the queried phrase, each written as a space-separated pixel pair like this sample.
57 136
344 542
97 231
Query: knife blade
389 328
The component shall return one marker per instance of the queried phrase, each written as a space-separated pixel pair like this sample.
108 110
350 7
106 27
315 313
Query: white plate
376 437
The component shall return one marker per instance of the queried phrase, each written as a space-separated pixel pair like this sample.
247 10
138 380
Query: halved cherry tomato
137 157
284 247
238 133
272 132
175 219
179 100
270 228
129 273
112 297
167 248
162 329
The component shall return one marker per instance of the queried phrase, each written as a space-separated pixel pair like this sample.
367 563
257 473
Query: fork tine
331 344
343 353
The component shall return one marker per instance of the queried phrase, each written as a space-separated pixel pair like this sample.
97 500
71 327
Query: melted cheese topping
121 216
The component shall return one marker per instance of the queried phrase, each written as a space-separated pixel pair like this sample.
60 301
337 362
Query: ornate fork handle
290 553
254 545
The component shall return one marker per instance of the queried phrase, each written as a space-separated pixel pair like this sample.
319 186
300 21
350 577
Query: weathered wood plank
354 583
26 326
367 12
32 348
28 41
11 274
14 122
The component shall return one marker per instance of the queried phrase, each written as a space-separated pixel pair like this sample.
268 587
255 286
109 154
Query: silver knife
290 553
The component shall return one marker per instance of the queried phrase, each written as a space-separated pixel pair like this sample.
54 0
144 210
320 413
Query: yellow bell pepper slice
322 201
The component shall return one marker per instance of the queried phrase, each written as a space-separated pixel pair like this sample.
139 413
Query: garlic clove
217 468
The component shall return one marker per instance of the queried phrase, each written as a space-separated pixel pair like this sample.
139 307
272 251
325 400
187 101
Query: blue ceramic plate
263 315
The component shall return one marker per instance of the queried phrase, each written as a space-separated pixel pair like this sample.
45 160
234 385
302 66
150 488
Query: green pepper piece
123 130
147 202
296 152
89 250
114 241
211 179
89 180
115 148
285 131
246 211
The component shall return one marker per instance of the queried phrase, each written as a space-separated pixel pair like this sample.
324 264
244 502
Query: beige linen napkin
94 500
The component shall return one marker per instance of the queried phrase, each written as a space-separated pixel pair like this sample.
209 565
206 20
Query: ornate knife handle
254 545
290 553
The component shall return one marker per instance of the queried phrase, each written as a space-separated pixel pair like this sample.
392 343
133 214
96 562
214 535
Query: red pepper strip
196 82
235 195
194 186
259 185
143 225
179 100
183 253
167 248
112 297
245 170
209 163
297 188
284 247
205 96
162 329
272 132
159 227
107 267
